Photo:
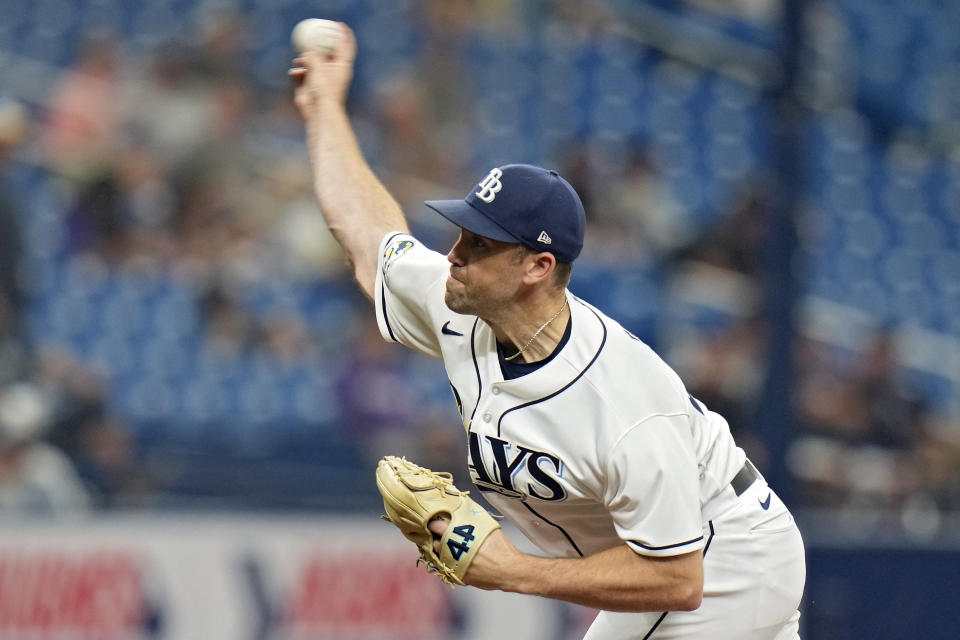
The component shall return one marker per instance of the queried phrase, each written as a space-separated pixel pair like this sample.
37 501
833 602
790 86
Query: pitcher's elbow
690 597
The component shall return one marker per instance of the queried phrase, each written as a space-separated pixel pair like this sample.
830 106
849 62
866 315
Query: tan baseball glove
413 496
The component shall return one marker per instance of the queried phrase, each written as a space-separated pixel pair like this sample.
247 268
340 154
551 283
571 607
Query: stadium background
773 191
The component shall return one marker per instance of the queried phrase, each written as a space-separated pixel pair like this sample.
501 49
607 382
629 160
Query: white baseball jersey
600 446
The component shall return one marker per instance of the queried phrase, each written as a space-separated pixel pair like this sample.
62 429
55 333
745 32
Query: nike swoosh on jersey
765 504
448 331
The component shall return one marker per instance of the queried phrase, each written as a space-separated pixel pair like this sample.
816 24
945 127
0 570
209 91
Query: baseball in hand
315 34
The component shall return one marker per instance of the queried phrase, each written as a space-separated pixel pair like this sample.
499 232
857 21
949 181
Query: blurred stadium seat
880 230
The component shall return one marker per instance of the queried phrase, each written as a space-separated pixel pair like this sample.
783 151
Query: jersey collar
587 338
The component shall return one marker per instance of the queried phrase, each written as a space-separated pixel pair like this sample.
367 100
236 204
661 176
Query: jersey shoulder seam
609 452
639 423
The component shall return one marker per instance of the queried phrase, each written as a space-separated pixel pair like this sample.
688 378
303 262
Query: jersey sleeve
408 293
652 490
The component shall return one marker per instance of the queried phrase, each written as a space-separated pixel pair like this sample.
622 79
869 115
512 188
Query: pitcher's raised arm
356 206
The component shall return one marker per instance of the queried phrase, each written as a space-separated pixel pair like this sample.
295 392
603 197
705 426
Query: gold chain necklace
542 327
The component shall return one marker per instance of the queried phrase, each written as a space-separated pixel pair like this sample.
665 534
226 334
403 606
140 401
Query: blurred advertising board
265 577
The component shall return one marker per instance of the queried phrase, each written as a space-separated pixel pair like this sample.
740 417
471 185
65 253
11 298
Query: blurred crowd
173 164
179 163
870 438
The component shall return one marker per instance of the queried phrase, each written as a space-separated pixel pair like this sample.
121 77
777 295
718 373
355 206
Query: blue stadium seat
881 232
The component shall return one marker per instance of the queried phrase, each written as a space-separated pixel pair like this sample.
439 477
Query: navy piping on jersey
564 387
660 619
383 294
666 546
655 625
552 524
476 367
696 405
456 397
709 540
383 305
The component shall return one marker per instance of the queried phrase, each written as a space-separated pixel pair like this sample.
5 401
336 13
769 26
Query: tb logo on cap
490 186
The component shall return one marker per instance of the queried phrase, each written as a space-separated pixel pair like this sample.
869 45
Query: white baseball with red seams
315 34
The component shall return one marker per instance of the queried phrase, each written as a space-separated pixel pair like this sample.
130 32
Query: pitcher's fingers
346 49
308 60
297 75
438 525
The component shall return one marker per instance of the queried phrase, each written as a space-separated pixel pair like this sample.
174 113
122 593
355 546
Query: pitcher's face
485 275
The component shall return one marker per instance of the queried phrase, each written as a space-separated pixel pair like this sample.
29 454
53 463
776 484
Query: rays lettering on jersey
494 467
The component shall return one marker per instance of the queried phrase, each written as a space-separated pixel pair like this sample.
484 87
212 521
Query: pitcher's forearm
356 206
614 580
617 579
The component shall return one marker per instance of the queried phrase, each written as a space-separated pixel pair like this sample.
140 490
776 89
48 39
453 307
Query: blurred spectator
126 213
13 129
35 477
79 424
862 426
636 209
285 340
723 367
896 411
148 204
221 38
577 166
936 463
442 446
378 403
97 219
738 243
296 243
412 155
83 114
447 26
229 328
169 109
106 458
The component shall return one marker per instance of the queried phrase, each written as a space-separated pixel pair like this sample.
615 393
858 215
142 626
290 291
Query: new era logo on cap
525 204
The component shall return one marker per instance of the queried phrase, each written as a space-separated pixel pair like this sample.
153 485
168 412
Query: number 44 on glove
413 496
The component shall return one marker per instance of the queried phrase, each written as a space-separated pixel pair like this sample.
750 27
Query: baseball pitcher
575 430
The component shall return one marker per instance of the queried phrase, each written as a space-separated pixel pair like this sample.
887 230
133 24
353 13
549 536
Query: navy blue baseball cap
524 204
